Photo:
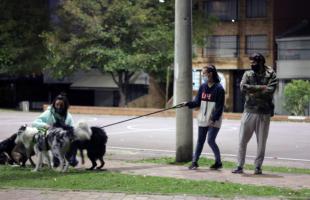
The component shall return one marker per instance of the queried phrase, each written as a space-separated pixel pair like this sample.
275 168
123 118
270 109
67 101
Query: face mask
60 110
205 79
255 67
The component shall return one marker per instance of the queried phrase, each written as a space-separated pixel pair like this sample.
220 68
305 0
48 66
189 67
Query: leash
174 107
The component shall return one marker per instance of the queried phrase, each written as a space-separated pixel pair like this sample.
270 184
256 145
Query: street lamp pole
183 79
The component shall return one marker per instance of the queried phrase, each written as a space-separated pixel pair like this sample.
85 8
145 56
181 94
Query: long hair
62 97
215 76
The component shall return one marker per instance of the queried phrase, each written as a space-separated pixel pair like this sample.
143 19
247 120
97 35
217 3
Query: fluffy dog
25 137
15 152
57 141
95 145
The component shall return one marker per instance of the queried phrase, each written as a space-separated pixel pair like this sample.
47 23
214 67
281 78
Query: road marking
226 155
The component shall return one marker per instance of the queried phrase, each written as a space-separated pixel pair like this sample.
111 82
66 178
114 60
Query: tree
203 25
297 96
21 48
119 37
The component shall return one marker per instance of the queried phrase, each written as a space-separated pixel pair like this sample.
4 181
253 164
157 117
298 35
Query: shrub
297 96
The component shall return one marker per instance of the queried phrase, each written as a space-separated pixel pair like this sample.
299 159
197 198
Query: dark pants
202 134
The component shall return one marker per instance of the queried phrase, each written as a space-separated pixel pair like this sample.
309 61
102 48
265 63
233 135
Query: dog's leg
29 153
56 156
101 163
93 161
66 165
47 157
82 156
62 163
31 162
39 162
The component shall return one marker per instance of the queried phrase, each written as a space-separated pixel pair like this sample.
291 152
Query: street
287 141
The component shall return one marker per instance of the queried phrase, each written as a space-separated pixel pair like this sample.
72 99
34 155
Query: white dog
30 137
82 131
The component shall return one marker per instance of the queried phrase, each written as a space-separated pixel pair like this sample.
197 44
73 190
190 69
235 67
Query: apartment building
293 60
245 26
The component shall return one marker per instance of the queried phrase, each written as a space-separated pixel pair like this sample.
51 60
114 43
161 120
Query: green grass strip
116 182
228 165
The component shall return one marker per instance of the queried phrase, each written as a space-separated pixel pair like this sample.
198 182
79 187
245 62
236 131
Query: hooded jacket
48 118
211 103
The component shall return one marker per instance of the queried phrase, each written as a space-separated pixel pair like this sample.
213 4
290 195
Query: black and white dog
55 142
95 144
6 148
58 140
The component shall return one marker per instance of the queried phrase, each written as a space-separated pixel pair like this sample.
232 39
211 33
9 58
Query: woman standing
210 99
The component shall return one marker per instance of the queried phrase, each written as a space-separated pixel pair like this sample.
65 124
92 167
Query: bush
297 96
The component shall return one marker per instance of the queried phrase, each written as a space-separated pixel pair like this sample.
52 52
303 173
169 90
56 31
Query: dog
93 140
54 142
25 137
57 141
6 147
4 159
16 153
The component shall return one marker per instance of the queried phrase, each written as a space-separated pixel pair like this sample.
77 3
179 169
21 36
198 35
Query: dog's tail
82 131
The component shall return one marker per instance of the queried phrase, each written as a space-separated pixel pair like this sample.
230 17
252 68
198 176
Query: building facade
245 26
293 60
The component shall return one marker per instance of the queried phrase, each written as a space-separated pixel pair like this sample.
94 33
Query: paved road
288 141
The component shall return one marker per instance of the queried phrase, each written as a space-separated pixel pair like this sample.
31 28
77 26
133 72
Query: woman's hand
212 123
185 103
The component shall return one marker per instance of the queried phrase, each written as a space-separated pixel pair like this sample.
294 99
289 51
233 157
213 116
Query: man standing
258 85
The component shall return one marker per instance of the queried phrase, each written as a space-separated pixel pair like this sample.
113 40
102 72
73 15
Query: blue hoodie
211 103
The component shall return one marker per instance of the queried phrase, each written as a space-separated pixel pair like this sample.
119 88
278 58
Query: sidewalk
27 194
293 181
115 162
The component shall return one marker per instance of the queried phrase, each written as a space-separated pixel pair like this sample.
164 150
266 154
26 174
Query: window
256 8
225 10
221 46
196 79
256 43
294 50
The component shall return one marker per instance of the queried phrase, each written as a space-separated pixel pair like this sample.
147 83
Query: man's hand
264 88
246 86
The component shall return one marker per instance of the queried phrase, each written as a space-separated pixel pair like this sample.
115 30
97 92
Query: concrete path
27 194
294 181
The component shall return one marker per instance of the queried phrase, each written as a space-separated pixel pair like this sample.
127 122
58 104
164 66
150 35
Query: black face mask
60 111
255 67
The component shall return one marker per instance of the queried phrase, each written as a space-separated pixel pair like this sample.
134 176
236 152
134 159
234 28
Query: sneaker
258 171
193 166
238 170
216 166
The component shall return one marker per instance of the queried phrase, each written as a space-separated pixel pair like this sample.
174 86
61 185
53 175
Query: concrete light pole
183 79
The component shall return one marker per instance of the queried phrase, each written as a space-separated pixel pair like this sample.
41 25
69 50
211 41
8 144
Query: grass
15 177
228 165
